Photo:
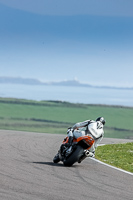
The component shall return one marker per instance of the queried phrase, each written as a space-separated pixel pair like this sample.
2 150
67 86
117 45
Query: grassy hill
56 116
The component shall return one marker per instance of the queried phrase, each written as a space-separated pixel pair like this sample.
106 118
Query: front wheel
56 159
74 157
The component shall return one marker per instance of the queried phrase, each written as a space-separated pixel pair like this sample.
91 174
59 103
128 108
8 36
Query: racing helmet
101 119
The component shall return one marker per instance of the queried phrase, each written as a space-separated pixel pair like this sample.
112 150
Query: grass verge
118 155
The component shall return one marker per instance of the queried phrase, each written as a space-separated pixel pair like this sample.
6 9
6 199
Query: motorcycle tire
56 159
74 157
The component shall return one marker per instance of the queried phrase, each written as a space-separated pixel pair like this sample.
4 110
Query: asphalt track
27 172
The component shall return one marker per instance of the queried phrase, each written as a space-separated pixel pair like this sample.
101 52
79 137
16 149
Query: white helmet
101 119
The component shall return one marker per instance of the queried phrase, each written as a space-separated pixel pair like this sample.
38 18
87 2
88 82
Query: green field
118 155
56 117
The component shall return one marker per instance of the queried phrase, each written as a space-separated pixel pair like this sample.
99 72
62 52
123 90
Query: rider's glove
69 129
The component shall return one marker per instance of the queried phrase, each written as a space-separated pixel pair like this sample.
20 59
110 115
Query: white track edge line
111 166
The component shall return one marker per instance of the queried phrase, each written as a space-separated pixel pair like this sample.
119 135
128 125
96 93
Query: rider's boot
66 146
70 141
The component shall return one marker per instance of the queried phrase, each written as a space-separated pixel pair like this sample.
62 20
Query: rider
88 127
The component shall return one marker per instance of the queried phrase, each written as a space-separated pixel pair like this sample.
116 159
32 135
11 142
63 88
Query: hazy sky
54 40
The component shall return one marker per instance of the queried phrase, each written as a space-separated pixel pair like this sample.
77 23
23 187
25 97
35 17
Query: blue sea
86 95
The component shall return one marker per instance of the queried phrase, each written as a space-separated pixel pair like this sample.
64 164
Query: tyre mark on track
101 185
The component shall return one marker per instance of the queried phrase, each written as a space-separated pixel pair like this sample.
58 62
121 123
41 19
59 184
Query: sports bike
77 152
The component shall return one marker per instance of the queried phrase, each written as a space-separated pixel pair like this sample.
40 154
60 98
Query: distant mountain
70 83
20 80
29 81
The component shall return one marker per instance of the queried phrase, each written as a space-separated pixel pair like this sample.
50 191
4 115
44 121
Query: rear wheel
74 157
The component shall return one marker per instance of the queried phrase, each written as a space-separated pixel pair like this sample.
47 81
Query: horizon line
36 81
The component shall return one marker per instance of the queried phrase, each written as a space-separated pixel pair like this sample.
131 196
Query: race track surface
27 172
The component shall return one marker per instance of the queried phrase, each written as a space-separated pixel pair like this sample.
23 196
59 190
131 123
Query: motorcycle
77 152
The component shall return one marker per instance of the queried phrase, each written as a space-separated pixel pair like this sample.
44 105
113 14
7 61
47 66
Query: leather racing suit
91 128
